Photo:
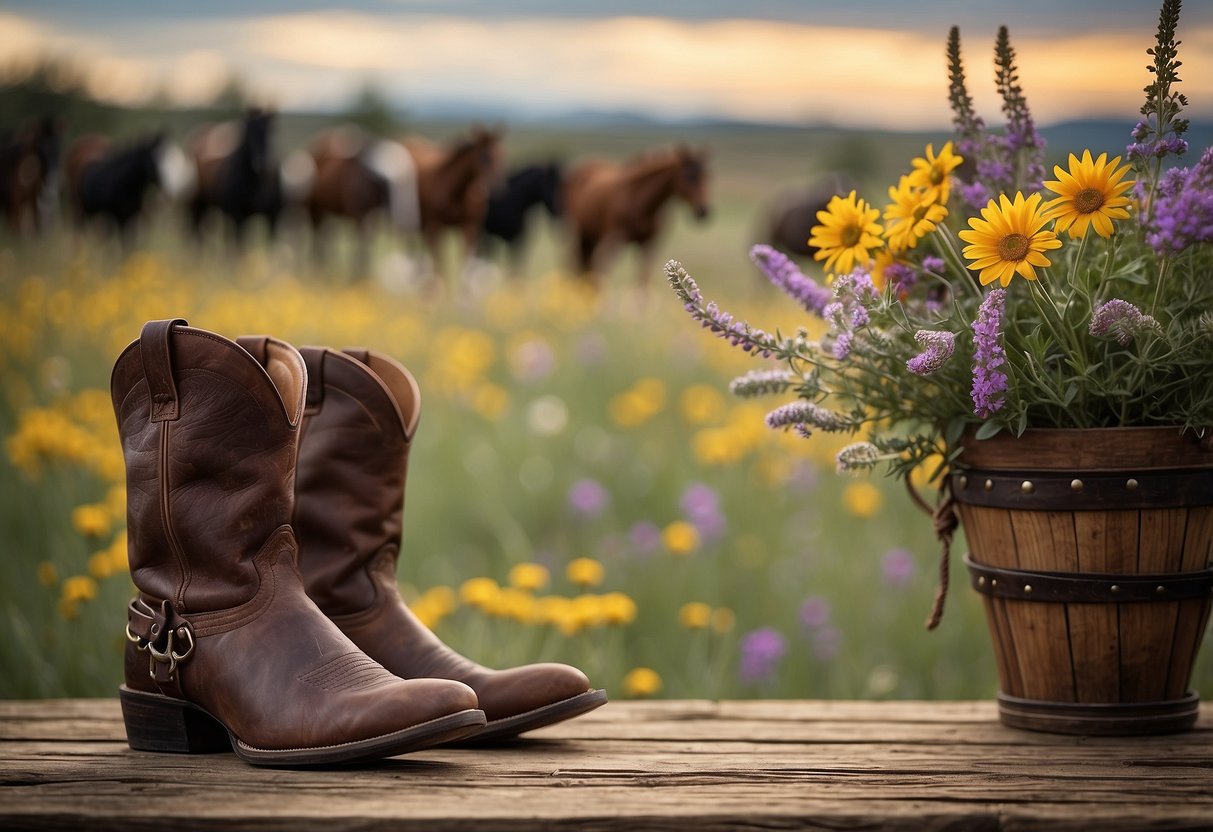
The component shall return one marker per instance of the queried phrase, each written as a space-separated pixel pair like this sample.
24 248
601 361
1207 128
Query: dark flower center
1088 201
850 235
1013 247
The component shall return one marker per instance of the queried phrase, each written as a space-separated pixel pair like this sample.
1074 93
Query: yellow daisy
848 232
1090 194
933 174
1010 239
911 216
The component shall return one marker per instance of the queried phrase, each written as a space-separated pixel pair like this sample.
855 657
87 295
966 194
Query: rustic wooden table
631 766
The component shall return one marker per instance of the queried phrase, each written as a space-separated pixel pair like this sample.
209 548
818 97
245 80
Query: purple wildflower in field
533 360
807 413
1120 320
785 274
933 264
588 498
761 651
1183 210
591 349
645 537
713 318
847 312
897 567
901 276
937 349
701 505
814 613
827 643
989 382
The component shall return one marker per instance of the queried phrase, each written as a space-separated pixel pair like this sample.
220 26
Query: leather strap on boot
165 636
155 351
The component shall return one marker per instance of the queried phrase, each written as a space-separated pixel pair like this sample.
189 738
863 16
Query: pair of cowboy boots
265 492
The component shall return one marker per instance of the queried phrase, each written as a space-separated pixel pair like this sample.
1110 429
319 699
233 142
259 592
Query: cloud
742 68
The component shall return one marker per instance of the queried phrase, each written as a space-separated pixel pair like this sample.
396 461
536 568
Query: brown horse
453 185
419 187
608 205
29 161
358 178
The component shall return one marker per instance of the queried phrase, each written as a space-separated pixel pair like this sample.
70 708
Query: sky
864 63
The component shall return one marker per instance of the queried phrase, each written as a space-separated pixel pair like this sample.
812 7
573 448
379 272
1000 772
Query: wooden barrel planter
1093 553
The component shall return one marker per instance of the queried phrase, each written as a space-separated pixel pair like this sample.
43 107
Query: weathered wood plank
651 765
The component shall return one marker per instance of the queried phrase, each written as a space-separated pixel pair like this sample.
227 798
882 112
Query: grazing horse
29 164
792 214
453 185
511 201
235 173
110 183
608 204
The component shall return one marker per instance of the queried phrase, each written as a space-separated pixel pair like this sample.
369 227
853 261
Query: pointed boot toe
525 698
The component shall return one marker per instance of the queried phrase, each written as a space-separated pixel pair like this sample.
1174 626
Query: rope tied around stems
946 521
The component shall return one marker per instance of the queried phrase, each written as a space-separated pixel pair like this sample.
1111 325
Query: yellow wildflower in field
695 615
638 404
528 576
513 603
92 520
911 216
934 173
618 608
862 499
48 574
587 610
641 681
461 357
701 403
585 572
441 598
723 620
478 592
118 554
100 564
490 401
557 611
1009 239
847 233
680 538
1090 195
80 588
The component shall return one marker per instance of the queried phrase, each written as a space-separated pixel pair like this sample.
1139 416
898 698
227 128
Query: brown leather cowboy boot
226 650
361 414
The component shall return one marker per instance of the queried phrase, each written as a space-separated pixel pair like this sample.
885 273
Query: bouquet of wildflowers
989 297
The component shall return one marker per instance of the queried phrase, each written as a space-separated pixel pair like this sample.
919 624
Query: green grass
490 489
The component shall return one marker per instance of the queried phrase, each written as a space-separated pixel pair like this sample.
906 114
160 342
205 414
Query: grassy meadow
669 543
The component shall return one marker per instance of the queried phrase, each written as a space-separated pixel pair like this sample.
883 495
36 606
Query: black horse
236 174
110 183
512 200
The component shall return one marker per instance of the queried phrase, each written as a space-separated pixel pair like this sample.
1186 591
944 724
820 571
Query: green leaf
956 429
988 429
1071 392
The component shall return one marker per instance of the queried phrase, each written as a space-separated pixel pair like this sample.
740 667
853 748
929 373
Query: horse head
258 124
691 183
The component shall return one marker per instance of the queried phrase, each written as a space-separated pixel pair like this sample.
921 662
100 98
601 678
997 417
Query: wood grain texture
631 766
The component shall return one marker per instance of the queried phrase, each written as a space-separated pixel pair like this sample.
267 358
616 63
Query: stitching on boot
349 671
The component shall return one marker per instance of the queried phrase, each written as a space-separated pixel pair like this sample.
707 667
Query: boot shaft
210 436
362 410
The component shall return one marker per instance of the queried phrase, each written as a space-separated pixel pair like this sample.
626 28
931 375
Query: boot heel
159 723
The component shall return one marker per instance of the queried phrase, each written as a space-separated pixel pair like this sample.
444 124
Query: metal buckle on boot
154 633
